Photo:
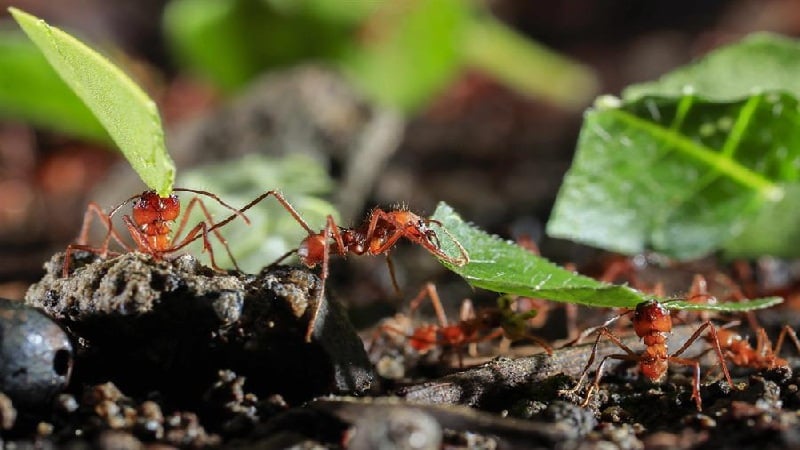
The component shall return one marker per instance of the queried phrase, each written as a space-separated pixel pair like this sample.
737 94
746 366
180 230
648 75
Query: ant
150 227
653 324
482 325
377 235
764 357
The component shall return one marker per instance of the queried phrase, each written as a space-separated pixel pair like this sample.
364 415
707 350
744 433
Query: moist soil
172 354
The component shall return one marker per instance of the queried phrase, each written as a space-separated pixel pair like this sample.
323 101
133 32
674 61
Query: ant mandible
150 227
376 236
653 324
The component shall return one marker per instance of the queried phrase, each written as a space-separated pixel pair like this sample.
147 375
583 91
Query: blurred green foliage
272 231
32 91
706 158
399 52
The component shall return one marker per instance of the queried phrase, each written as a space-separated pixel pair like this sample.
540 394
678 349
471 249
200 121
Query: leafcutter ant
653 324
739 351
474 326
376 236
150 226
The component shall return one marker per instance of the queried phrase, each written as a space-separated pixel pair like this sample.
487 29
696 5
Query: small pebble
35 356
401 428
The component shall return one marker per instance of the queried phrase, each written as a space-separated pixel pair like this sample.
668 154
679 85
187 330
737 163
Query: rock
35 356
171 325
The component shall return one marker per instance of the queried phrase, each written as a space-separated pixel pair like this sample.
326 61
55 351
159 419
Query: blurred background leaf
685 174
760 62
31 91
682 177
400 53
272 231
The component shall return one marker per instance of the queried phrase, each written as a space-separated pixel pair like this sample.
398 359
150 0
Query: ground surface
173 353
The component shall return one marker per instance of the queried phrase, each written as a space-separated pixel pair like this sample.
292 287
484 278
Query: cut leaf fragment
504 267
127 113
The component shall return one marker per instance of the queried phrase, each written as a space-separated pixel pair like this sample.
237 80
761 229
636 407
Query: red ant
473 327
739 351
376 236
150 226
653 323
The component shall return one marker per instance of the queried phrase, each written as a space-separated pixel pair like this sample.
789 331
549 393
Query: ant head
312 249
651 317
151 208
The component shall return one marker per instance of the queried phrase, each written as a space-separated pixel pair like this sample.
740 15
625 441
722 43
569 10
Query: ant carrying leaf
653 324
377 235
150 227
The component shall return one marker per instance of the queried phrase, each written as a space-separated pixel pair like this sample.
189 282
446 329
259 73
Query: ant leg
326 253
429 291
698 401
331 230
599 374
200 231
279 197
92 210
83 237
712 331
217 199
71 248
596 329
139 237
186 213
792 335
390 264
467 313
602 331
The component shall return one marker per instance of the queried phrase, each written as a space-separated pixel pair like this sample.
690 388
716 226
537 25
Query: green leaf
272 231
416 51
735 306
681 175
527 66
775 230
761 62
251 36
504 267
30 90
127 113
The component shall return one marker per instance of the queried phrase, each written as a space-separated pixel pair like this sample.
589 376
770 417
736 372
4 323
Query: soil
164 354
173 354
